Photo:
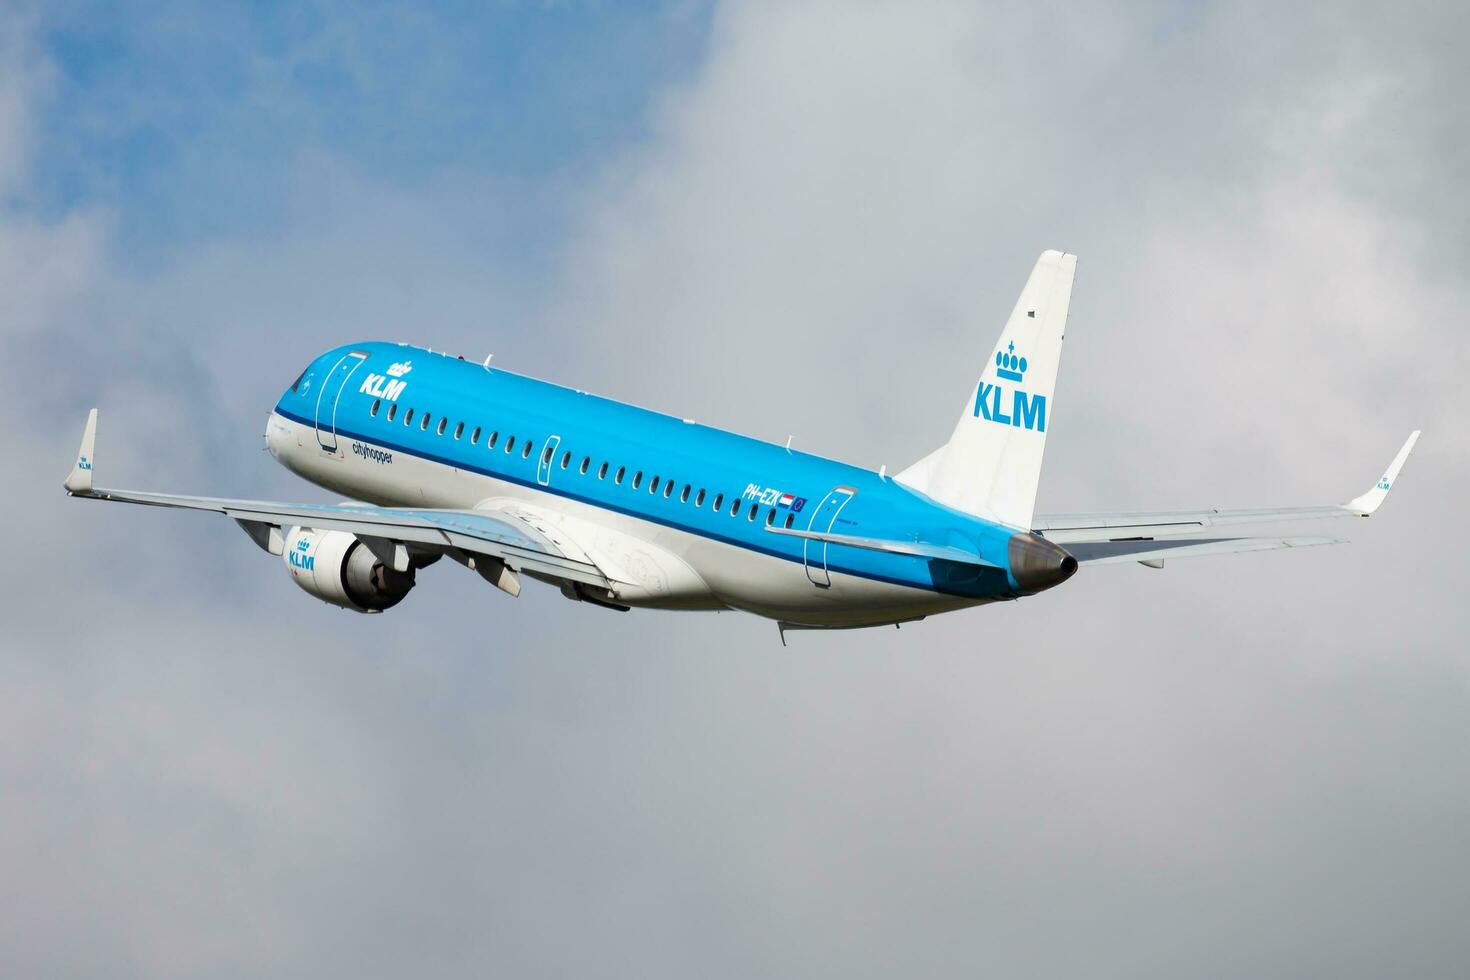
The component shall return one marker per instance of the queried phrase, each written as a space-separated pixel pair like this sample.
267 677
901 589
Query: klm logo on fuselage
387 387
1010 406
300 558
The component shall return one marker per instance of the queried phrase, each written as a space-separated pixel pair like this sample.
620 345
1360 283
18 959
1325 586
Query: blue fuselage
380 405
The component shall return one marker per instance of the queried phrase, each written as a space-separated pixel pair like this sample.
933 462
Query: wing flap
467 531
1067 528
1117 552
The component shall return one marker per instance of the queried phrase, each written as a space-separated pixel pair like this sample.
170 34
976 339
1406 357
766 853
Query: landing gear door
814 553
329 394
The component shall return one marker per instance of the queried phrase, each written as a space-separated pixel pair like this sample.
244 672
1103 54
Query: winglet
1365 505
79 481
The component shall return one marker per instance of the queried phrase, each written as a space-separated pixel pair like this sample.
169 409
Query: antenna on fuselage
788 442
486 365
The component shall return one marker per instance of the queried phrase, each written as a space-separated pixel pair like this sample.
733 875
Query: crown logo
1008 365
400 369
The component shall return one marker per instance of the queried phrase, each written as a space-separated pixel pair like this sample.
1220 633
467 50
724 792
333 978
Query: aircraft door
328 396
814 553
546 460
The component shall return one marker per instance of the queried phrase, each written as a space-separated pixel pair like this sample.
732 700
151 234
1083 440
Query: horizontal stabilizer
918 549
1115 552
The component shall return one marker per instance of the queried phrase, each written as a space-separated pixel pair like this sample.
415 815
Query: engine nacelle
336 567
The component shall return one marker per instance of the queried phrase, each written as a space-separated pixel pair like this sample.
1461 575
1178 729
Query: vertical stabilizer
992 463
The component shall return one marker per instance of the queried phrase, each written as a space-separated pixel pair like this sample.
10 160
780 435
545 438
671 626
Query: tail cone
1037 564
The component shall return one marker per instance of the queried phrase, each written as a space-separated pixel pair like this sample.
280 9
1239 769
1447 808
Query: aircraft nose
1038 564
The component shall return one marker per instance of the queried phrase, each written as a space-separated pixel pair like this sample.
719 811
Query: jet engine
336 567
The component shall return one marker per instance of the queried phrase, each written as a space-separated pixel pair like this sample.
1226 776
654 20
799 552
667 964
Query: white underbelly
657 566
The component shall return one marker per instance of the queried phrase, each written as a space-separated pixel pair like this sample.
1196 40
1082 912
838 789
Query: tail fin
992 463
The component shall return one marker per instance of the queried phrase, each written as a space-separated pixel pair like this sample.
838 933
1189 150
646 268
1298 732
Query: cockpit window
296 385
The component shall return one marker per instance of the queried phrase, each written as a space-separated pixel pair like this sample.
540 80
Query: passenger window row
655 484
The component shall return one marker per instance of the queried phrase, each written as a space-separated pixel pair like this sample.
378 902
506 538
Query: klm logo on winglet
83 463
1026 411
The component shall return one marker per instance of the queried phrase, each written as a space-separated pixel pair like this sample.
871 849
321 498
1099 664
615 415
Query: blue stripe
602 505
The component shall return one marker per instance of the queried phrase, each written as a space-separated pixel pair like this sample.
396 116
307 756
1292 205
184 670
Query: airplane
623 507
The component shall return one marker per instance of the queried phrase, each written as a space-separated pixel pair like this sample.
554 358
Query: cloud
25 79
1252 764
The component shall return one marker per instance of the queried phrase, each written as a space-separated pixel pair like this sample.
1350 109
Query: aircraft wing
1151 552
387 531
1067 529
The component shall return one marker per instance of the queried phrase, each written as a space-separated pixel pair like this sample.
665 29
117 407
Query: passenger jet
619 506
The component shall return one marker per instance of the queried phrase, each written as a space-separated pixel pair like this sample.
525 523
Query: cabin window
684 494
699 500
637 479
719 501
392 411
510 443
668 489
771 517
586 462
424 422
458 429
602 472
443 424
547 454
408 417
377 402
475 436
653 486
735 507
565 459
789 519
526 452
619 477
753 509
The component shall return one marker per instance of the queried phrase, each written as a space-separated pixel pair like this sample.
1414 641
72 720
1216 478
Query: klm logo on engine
299 557
1010 406
387 387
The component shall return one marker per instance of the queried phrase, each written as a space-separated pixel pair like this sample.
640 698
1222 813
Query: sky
811 220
